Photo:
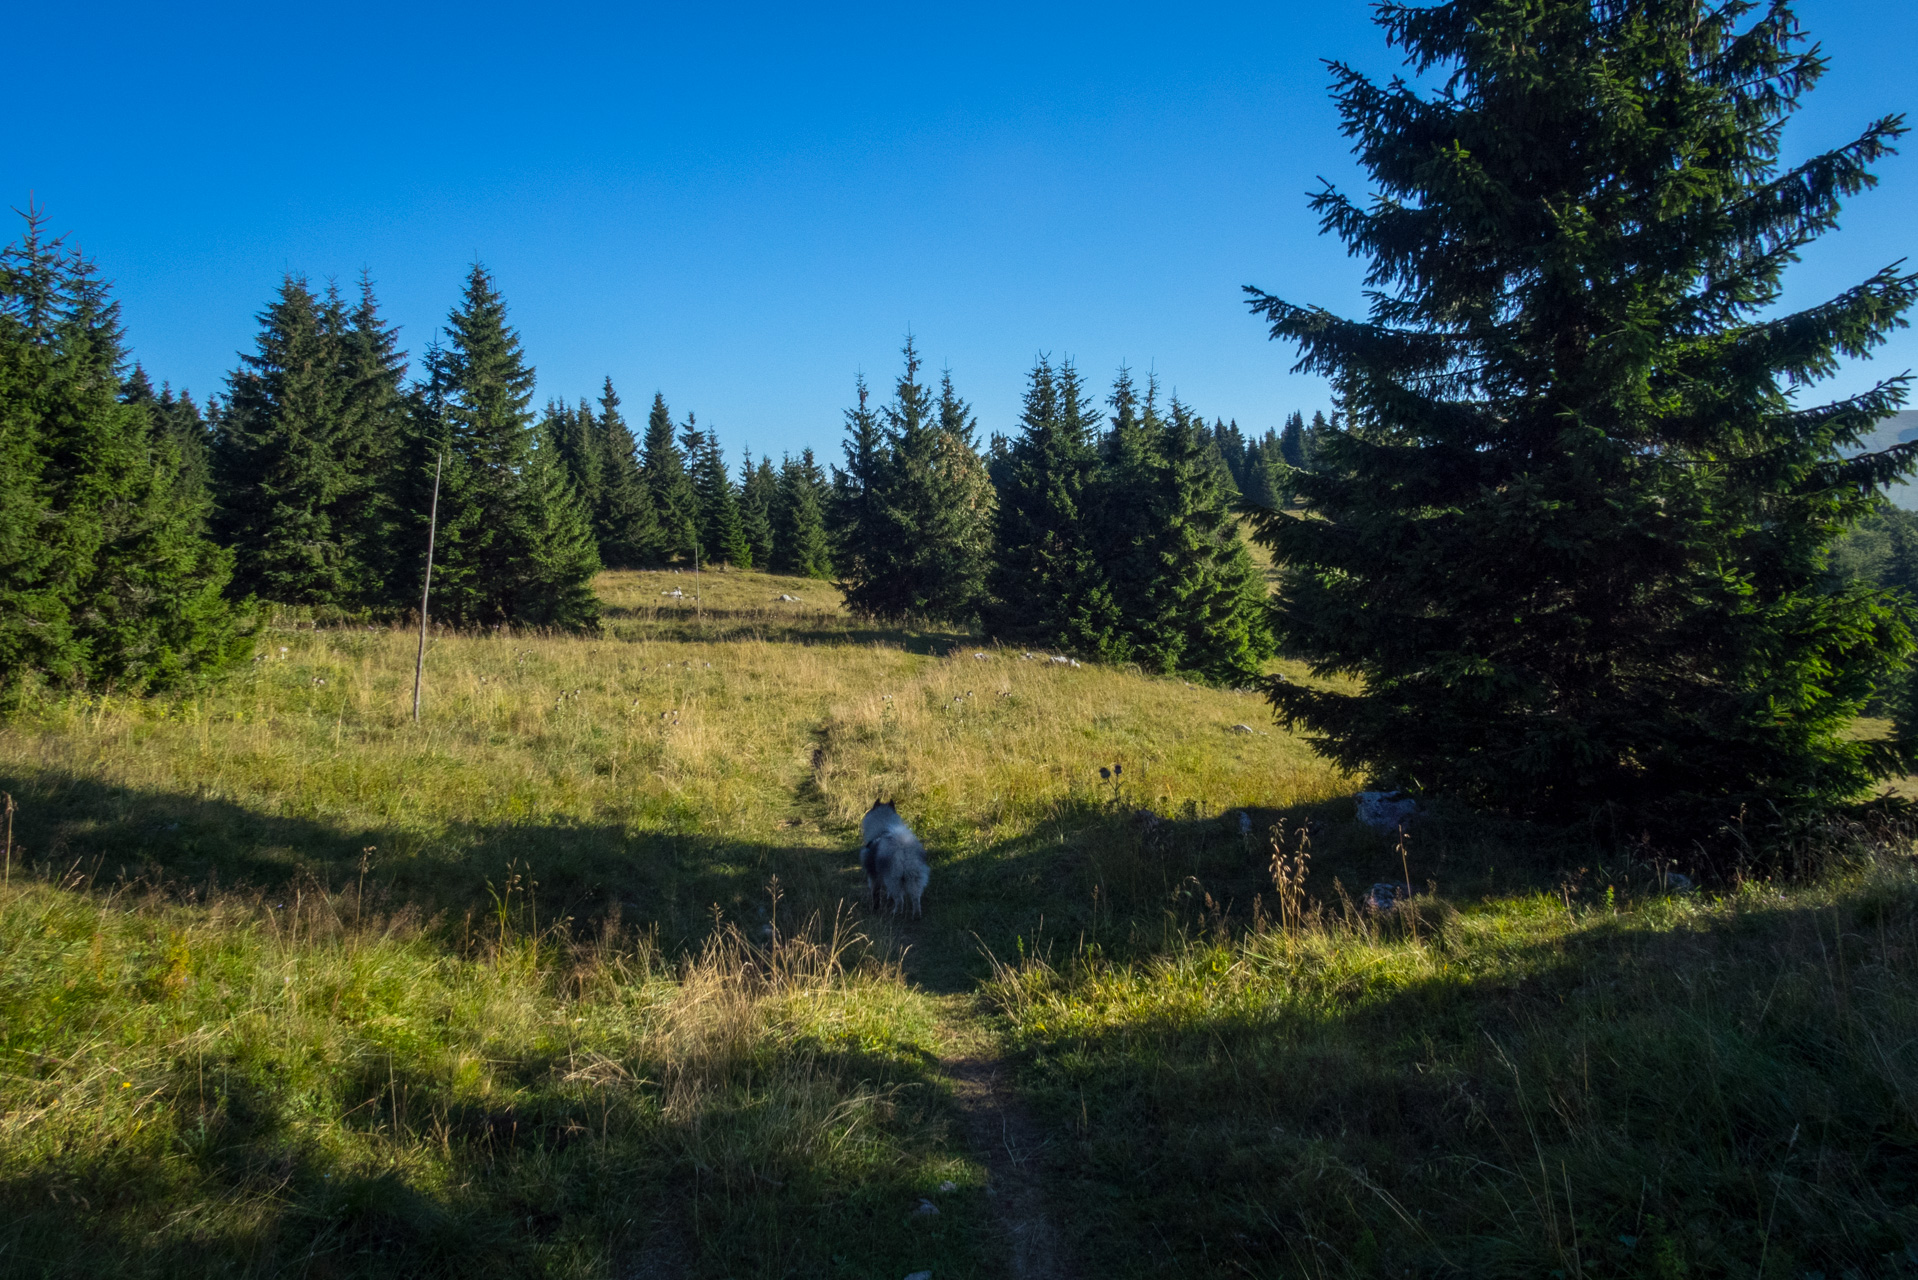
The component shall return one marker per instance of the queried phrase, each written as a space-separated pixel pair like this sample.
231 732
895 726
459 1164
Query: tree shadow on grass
684 624
756 1176
1634 1079
194 847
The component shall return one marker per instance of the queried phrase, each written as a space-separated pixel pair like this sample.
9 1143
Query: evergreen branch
1805 345
1328 343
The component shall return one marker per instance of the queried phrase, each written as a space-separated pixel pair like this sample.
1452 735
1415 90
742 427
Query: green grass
1662 1087
571 979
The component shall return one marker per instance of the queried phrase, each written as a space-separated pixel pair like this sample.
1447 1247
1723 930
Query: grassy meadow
573 978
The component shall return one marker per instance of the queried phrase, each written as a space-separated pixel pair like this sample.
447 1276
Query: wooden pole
432 531
8 878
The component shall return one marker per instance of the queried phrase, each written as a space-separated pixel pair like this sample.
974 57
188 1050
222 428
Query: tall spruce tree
801 545
1292 441
575 433
1572 532
758 496
930 508
1208 608
721 531
278 459
674 503
1048 585
514 544
1186 593
856 515
625 519
1264 463
554 584
107 581
1122 511
366 512
179 419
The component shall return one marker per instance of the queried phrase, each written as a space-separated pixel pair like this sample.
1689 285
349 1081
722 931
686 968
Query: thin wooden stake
432 531
8 877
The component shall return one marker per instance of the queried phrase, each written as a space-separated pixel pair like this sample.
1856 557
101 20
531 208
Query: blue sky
744 207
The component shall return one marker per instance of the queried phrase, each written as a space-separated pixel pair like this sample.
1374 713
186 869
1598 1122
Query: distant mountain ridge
1897 429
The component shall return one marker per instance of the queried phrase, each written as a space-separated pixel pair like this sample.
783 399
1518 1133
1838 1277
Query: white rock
926 1209
1385 810
919 1275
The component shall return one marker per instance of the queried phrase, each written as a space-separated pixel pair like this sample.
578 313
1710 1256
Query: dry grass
749 741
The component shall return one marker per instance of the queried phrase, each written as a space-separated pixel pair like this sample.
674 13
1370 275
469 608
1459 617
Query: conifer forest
458 825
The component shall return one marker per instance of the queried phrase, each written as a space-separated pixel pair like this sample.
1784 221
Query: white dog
892 857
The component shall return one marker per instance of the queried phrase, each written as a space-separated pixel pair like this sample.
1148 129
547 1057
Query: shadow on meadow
1618 1098
1084 870
467 875
616 1181
807 627
258 1088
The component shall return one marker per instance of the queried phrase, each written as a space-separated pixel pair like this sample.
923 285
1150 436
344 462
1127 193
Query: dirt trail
1003 1138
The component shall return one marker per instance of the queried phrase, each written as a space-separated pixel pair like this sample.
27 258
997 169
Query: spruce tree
1048 586
107 581
758 496
554 584
514 544
1315 435
366 514
856 515
1186 592
575 433
721 532
628 527
1122 512
930 509
36 638
1264 464
801 545
674 504
1570 537
1292 441
179 419
1208 600
277 464
1230 445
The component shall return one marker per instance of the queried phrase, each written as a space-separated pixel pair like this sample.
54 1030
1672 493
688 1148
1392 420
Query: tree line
310 479
323 464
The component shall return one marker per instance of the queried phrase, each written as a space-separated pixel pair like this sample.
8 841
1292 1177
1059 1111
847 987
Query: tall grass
1596 1084
269 1087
